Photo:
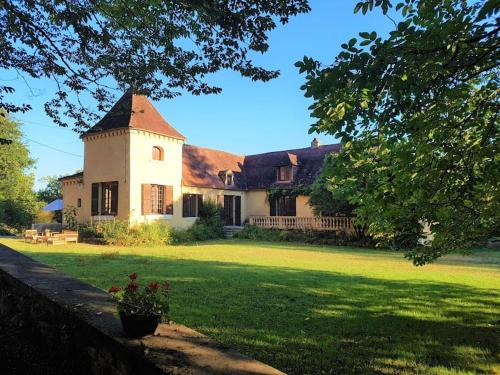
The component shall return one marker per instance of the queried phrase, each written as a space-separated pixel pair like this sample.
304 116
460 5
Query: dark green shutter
237 210
185 205
272 206
291 207
95 199
200 205
114 197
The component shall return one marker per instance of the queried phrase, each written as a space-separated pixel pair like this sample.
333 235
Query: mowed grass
314 309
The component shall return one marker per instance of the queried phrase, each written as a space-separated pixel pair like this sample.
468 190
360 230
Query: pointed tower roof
136 112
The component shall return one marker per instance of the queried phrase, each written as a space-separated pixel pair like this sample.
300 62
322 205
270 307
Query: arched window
157 153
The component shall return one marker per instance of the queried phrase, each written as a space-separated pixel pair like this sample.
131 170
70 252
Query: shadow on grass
313 322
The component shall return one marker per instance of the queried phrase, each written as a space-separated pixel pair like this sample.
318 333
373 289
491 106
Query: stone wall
74 328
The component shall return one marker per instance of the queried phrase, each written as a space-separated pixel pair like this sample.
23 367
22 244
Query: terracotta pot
139 325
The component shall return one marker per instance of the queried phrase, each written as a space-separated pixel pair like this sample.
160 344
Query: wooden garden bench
70 235
62 238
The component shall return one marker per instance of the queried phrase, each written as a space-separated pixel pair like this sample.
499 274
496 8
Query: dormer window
285 173
229 179
157 153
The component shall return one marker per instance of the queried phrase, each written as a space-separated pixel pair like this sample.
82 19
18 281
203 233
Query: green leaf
365 8
358 7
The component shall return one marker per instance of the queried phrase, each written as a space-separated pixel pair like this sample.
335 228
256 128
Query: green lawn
315 309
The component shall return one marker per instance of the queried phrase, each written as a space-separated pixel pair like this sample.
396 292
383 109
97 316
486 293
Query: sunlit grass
316 309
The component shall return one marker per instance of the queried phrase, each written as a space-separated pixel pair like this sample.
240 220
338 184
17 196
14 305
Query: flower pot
139 325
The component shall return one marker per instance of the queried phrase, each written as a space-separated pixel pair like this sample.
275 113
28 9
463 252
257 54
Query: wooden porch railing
322 223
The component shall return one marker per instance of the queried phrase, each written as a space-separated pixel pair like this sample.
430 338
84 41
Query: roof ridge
214 149
295 149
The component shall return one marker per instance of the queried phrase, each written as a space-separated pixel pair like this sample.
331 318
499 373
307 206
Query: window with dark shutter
283 206
95 199
191 204
104 198
157 199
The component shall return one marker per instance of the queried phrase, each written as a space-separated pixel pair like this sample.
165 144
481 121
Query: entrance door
232 210
228 210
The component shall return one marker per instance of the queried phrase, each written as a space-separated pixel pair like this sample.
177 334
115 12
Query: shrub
255 233
209 226
69 215
19 213
114 232
118 232
88 233
204 230
6 230
151 234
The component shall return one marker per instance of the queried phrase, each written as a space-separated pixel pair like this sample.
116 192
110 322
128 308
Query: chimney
315 143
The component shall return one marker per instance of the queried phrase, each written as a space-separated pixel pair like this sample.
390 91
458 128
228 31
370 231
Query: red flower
133 276
153 286
132 287
113 289
165 285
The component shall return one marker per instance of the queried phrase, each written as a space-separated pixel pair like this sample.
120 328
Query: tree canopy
159 48
51 191
417 113
18 203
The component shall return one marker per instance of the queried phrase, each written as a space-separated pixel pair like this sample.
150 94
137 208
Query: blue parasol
56 205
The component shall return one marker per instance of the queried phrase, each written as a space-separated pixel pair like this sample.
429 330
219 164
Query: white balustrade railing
321 223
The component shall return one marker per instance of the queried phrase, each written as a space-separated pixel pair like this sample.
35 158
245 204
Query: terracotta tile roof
135 111
71 176
201 167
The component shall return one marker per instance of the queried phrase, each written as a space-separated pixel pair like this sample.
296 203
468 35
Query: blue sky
247 118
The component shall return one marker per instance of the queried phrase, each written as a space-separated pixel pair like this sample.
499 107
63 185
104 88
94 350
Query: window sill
158 216
103 217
